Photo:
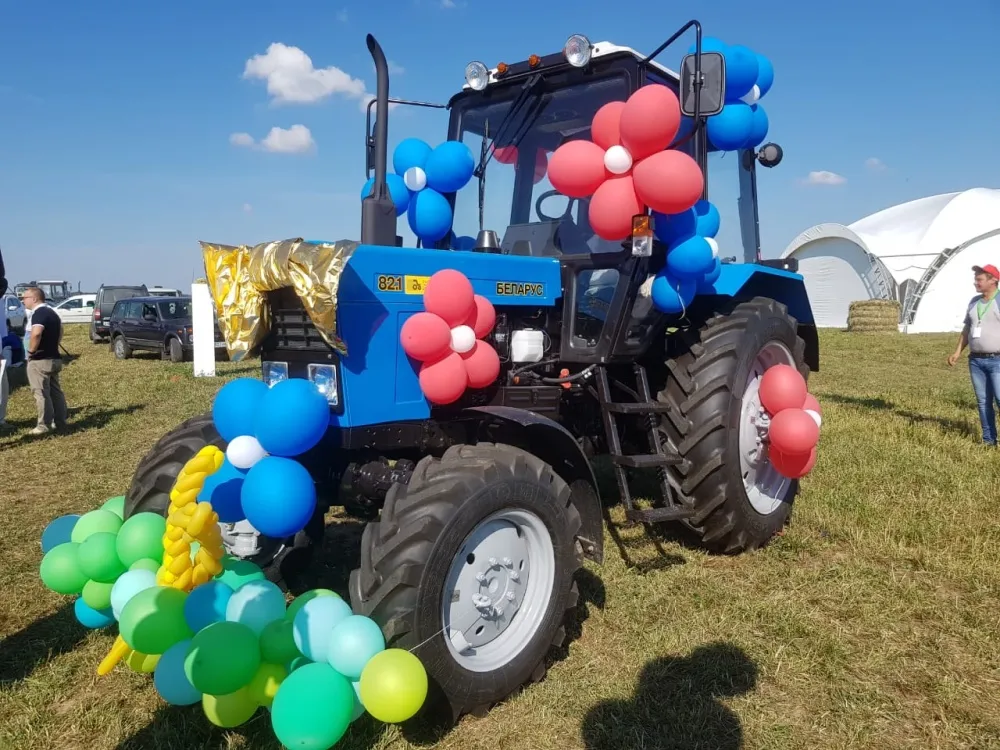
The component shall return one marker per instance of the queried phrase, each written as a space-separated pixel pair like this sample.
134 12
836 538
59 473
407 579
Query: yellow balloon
228 711
264 685
393 686
142 663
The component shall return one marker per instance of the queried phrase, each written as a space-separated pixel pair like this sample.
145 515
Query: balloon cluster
447 339
626 167
742 123
692 257
260 480
510 154
795 419
423 177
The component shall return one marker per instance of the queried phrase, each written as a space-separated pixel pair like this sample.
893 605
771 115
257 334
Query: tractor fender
555 445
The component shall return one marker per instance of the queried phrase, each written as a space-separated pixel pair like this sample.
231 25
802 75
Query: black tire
706 391
120 347
175 350
155 475
406 556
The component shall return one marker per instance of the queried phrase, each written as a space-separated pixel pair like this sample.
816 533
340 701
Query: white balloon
244 451
415 179
463 338
617 160
714 245
752 96
816 417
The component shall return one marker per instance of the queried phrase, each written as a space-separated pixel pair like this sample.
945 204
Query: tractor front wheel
471 566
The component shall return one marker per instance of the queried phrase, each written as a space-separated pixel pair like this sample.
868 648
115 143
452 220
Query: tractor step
647 461
633 408
658 515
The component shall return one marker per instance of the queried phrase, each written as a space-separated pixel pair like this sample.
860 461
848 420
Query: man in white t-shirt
5 356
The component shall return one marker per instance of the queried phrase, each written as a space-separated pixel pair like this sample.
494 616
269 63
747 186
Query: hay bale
874 316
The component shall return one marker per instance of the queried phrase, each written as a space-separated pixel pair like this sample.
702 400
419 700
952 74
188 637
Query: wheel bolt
498 611
510 596
493 562
514 576
481 577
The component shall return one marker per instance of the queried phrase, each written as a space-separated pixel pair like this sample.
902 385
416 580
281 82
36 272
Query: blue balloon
732 127
710 44
449 167
673 228
463 242
90 617
429 216
256 604
236 405
765 74
206 604
672 295
713 275
58 532
411 152
741 72
312 628
355 640
690 259
758 132
708 220
292 418
398 191
129 584
222 490
686 128
279 497
169 678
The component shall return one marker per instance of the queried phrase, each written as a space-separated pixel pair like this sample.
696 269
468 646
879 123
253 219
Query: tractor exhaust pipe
378 212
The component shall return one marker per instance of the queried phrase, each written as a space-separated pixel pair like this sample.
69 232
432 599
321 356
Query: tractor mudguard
555 445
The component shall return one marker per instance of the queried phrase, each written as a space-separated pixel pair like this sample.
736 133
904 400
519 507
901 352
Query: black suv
156 324
107 296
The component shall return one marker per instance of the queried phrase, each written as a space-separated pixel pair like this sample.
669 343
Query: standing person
981 333
4 383
45 362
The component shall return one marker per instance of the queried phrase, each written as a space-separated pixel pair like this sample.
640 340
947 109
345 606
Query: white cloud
823 177
294 140
342 15
396 70
247 208
447 3
875 165
292 79
244 140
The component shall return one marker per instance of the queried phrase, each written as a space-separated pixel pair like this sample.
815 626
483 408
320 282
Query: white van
77 309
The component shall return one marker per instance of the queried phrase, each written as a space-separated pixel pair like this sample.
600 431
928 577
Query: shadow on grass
677 704
21 653
956 426
81 419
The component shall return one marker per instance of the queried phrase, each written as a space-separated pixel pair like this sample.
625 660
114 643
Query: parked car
15 313
155 324
107 296
162 291
77 309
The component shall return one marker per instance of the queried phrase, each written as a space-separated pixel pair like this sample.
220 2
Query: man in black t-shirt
45 362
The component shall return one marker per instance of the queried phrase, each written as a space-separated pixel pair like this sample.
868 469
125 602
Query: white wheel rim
498 590
766 489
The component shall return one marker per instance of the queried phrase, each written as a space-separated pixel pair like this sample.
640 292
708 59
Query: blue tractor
480 513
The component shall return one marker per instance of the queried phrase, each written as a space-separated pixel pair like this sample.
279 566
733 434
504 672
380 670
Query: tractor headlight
477 75
274 372
325 379
578 50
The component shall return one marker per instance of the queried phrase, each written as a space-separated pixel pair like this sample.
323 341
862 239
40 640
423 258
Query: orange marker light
501 68
534 61
642 235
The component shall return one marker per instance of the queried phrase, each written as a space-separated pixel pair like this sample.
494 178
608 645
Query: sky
130 130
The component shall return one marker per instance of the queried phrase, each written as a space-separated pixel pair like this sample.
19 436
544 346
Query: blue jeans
985 374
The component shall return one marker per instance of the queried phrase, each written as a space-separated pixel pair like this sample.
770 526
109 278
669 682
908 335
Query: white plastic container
527 345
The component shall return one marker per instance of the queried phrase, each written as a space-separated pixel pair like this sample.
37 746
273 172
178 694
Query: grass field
874 621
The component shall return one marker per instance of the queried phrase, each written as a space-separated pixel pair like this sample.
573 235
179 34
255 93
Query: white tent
920 253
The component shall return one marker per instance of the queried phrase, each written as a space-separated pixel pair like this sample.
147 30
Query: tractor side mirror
713 84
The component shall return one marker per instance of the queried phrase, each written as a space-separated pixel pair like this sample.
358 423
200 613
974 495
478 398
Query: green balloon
115 505
223 658
236 572
60 569
300 601
93 522
153 620
98 558
145 563
141 536
313 708
277 645
97 595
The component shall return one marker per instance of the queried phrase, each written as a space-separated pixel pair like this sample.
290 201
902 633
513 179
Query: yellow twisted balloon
187 521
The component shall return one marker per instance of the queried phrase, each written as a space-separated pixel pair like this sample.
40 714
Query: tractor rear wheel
155 475
740 498
471 566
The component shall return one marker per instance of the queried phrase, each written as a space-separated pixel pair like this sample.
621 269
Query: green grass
872 622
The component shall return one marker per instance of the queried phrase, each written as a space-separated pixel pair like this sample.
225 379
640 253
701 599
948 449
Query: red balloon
444 381
649 121
541 166
505 154
425 337
793 432
449 294
605 129
612 208
483 317
482 365
793 466
811 404
668 181
782 387
576 169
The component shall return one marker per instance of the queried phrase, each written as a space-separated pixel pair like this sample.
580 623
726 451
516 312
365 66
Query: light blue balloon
90 617
765 74
169 678
256 604
429 215
732 127
690 259
671 295
707 221
758 131
279 497
222 489
292 418
312 628
128 585
58 531
398 191
741 72
355 640
359 708
411 152
207 604
235 406
449 167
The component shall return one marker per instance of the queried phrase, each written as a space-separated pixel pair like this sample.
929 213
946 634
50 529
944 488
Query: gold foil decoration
239 277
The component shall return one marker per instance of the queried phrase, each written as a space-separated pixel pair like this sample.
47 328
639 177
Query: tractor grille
291 327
